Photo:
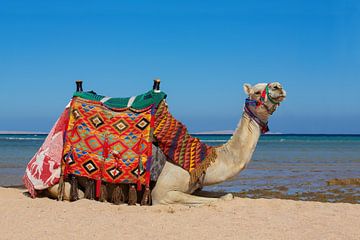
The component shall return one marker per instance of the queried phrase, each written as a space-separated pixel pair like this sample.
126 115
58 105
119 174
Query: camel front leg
187 199
173 187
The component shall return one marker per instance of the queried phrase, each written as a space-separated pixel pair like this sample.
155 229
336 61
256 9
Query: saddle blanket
108 145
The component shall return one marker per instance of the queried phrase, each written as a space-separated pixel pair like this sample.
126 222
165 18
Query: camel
232 157
173 185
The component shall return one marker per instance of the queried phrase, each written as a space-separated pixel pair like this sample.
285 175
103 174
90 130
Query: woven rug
179 146
108 145
43 170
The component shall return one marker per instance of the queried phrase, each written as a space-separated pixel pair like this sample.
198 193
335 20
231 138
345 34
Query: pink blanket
44 168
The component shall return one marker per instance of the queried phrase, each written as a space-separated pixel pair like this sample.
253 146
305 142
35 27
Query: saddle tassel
139 167
61 188
146 200
132 195
89 189
103 193
74 194
98 188
118 195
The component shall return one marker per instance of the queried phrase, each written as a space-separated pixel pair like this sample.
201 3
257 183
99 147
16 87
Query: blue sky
203 51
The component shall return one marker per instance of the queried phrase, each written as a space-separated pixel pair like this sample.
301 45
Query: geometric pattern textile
179 146
108 145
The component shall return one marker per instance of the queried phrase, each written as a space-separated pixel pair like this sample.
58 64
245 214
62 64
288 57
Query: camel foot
183 198
227 197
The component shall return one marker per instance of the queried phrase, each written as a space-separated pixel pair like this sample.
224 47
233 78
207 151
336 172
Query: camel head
263 99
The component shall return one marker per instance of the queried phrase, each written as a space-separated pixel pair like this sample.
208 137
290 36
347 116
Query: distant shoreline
219 133
283 134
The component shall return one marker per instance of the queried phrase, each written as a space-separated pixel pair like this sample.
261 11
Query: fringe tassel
30 187
89 189
196 174
74 194
132 195
146 200
97 188
61 188
103 193
117 196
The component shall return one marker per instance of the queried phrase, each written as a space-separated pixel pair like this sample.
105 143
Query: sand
241 218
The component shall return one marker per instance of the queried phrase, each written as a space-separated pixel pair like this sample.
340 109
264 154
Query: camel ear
247 89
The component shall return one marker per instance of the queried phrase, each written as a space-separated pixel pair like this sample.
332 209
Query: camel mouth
279 98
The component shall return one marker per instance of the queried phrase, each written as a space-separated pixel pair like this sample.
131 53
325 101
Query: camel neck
243 142
233 156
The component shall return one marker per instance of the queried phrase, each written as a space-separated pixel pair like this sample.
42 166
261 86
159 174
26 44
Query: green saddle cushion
140 102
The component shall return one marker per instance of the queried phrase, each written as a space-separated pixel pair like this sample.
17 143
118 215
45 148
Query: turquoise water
301 163
15 152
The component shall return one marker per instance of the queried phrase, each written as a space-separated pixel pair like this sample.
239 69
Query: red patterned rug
103 144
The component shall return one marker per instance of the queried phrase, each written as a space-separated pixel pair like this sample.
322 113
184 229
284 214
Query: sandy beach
241 218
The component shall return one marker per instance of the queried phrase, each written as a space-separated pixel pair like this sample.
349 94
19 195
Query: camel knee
227 197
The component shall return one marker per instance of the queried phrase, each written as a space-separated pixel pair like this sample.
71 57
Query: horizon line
224 132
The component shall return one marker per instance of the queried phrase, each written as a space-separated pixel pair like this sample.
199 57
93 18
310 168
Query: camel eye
258 92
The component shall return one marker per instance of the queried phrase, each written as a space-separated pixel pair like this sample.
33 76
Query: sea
292 166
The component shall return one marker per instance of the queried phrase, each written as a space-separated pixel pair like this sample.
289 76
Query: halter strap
263 125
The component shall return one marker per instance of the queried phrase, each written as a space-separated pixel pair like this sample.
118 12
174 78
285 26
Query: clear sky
203 51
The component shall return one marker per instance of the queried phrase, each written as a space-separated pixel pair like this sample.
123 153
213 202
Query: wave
310 141
289 141
11 165
224 141
21 138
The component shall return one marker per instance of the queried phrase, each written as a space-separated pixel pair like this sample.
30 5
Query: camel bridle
261 102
